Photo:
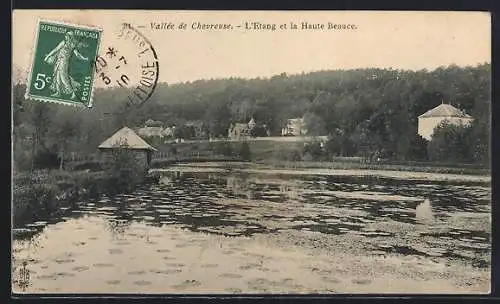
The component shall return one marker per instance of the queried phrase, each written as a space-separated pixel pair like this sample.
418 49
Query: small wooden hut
126 138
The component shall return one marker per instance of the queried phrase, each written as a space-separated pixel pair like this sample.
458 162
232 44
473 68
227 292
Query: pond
237 232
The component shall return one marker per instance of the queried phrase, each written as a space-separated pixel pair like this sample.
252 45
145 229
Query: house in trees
251 124
444 112
127 139
198 128
294 127
169 131
239 131
151 128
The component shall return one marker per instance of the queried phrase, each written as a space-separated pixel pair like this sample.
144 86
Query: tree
478 140
417 149
449 143
217 118
314 124
41 120
185 132
377 115
314 149
339 144
124 170
269 113
258 131
242 110
65 132
18 103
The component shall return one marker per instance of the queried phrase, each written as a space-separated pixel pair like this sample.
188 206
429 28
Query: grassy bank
345 165
42 193
46 193
291 155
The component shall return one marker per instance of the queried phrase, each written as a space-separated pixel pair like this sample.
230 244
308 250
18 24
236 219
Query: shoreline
46 193
253 168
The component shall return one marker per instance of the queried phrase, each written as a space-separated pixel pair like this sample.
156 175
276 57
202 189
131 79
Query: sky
397 40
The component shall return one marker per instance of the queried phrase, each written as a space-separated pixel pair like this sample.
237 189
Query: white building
294 127
432 118
169 131
251 124
151 129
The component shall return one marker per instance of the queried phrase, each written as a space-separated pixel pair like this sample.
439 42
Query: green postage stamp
62 69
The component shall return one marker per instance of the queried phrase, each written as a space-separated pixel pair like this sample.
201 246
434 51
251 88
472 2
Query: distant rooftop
153 123
445 110
295 119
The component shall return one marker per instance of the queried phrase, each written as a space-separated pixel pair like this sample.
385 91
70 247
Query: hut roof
445 110
126 138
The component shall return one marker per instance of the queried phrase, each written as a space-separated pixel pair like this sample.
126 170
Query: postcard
251 152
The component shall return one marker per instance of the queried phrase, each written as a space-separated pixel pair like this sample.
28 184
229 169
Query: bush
258 131
294 155
33 200
40 193
417 149
314 150
340 144
450 143
91 165
222 148
307 157
173 150
45 159
124 172
94 184
244 152
286 153
22 158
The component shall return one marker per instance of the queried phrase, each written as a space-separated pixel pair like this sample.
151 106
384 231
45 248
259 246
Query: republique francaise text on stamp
60 70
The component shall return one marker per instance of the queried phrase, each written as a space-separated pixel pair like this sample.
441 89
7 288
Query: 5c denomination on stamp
60 71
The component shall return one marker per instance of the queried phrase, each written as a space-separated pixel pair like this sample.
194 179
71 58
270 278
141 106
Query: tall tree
40 119
314 124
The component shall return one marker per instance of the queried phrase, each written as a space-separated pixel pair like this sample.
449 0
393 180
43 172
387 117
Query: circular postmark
130 62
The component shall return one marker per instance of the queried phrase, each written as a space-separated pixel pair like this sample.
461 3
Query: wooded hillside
363 110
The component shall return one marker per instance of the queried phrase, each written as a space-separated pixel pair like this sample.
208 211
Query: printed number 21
41 80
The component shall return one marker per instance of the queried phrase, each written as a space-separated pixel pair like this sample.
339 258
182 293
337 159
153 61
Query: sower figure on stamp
62 82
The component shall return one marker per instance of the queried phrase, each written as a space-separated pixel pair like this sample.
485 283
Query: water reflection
424 213
244 204
333 204
239 187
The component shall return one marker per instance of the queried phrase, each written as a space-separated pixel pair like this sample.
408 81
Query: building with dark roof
127 139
